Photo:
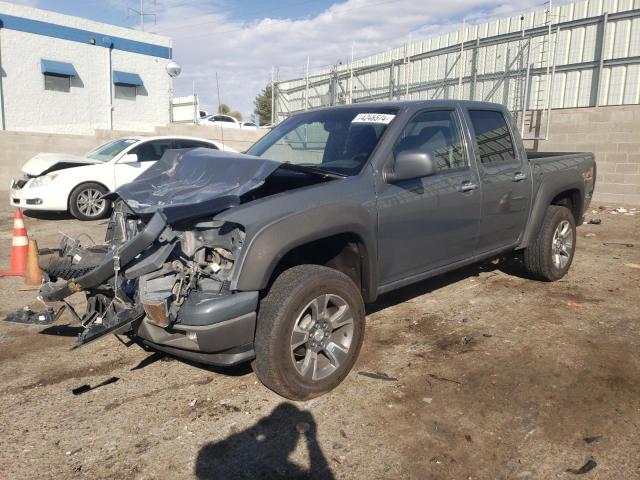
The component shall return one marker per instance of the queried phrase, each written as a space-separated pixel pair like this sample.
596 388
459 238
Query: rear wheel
309 333
551 253
87 203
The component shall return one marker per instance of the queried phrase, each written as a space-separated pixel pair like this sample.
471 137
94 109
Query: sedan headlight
43 180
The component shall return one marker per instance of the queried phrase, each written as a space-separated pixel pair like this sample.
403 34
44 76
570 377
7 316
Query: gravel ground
479 374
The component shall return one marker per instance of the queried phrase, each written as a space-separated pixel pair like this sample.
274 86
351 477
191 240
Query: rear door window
493 137
194 144
153 150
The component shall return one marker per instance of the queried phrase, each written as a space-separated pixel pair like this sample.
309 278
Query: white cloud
207 41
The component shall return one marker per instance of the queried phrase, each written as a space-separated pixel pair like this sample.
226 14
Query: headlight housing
42 180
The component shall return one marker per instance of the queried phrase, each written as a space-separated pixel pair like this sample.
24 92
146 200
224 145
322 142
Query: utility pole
141 13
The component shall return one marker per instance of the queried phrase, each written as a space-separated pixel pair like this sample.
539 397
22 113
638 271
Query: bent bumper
217 330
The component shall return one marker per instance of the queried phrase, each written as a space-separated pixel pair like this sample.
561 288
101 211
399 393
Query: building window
126 92
57 83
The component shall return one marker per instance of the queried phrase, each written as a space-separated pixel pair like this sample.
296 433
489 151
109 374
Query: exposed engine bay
196 260
166 259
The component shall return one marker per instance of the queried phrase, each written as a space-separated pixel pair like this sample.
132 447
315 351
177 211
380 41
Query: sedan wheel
87 202
91 203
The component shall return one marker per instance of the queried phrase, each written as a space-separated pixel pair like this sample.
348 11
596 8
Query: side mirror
411 164
129 158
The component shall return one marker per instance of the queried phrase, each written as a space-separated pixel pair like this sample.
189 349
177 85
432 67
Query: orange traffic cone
33 273
20 246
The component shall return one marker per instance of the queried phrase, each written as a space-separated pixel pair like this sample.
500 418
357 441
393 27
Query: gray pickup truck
271 255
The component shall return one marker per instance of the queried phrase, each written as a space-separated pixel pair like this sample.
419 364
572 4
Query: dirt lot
481 374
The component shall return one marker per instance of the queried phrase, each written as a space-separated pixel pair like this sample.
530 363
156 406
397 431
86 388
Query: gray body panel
417 228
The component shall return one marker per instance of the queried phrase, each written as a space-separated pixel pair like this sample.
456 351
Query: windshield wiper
313 170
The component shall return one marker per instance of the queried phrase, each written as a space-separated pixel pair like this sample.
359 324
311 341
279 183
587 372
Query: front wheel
551 253
86 202
309 333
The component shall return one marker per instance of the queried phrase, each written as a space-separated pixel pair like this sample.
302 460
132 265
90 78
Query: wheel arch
345 242
570 195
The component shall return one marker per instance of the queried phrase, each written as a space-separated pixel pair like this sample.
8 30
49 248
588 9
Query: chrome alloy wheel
90 202
321 337
562 245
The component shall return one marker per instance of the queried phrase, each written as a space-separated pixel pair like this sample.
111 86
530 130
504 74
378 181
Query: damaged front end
163 275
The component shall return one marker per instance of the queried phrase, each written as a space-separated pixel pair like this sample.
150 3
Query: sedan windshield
106 152
337 140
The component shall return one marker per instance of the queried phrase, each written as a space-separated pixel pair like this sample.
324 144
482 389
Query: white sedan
61 182
219 120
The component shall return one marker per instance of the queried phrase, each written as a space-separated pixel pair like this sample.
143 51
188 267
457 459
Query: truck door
505 178
429 222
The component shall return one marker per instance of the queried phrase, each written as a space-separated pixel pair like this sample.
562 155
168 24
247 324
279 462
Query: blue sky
240 40
115 12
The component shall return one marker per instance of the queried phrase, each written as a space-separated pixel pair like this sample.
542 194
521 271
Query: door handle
519 176
467 186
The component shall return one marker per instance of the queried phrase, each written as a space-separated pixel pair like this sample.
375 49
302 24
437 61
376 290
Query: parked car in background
248 125
63 182
202 113
219 120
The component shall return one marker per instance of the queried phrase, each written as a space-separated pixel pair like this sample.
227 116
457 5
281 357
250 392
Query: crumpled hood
47 162
192 183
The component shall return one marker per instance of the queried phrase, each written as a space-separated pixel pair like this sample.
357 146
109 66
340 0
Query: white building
63 74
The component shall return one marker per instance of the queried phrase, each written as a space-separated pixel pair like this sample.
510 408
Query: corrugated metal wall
594 46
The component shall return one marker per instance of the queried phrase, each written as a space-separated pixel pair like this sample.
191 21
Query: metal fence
582 54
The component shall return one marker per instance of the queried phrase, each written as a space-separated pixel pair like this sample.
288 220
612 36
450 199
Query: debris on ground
29 317
378 376
632 265
595 221
587 467
87 388
587 235
624 244
594 439
571 303
443 379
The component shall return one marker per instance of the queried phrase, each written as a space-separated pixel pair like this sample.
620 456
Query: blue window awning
58 68
124 78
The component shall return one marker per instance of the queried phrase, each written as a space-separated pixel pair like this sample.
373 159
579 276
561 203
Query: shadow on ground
263 450
45 215
510 264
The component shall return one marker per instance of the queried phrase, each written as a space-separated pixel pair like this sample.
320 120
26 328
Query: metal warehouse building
570 74
62 74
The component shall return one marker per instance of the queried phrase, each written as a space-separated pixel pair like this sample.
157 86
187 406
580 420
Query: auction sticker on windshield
384 118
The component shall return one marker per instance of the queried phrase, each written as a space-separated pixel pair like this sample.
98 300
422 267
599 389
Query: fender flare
550 188
270 244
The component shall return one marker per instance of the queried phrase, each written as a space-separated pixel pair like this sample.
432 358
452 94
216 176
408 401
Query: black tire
539 256
288 299
87 189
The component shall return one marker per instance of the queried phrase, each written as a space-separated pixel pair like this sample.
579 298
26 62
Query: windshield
336 140
106 152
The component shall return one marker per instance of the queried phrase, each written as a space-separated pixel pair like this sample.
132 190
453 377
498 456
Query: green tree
262 105
224 109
